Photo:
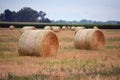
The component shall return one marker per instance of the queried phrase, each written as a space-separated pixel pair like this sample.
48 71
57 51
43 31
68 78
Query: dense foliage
42 25
26 14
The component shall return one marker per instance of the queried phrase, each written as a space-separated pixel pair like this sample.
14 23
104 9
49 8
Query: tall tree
27 14
14 16
2 18
42 17
8 15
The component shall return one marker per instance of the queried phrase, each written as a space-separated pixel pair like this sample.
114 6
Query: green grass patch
14 40
115 39
113 47
6 49
9 39
3 35
113 71
7 56
70 62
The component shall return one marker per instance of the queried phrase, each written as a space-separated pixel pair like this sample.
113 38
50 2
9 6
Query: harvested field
69 63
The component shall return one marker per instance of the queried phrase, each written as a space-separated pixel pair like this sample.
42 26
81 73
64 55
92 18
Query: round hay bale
89 39
95 27
68 27
12 27
78 28
25 28
64 28
73 28
56 28
48 28
38 43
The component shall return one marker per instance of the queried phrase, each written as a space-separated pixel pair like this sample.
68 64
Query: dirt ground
68 62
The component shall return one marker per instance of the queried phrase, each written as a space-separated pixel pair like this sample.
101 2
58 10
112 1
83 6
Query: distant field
69 64
41 25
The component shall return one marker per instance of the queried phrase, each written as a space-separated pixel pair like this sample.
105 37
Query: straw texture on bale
68 27
89 39
48 28
38 43
25 28
12 27
73 28
56 28
78 28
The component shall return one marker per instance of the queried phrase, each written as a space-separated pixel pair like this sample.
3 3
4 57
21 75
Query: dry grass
70 63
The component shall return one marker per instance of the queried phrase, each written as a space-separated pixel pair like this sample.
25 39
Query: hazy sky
100 10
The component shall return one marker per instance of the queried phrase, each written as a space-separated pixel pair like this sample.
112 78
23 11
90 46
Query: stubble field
68 64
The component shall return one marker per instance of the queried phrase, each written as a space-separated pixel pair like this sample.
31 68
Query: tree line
26 14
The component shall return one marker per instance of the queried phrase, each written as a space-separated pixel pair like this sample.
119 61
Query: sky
96 10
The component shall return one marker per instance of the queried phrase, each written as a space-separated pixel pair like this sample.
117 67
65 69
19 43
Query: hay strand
25 28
